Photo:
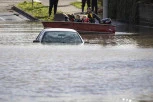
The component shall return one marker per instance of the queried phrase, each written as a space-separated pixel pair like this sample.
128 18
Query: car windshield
61 37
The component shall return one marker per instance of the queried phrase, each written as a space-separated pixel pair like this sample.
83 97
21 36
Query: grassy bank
79 4
37 10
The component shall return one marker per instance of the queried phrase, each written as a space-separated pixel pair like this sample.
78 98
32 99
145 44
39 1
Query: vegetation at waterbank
37 10
126 10
146 1
79 4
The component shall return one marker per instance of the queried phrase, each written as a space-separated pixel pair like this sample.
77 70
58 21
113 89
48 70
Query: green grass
78 5
38 10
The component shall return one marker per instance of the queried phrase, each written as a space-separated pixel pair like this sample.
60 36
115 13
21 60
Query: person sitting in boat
85 19
106 21
92 16
77 19
66 17
71 17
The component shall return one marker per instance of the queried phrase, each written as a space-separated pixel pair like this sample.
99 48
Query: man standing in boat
94 6
51 4
83 4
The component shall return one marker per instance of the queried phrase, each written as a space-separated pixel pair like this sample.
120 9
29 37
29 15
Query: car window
61 37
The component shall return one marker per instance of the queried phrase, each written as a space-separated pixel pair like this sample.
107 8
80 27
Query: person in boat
92 16
106 21
77 19
53 3
94 6
85 19
71 17
66 17
83 4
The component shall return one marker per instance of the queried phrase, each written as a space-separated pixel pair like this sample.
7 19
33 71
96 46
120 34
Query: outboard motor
106 21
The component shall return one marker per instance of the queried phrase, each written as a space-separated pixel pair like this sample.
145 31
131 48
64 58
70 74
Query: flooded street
111 69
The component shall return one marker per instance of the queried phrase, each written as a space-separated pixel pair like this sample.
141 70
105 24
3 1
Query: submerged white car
59 35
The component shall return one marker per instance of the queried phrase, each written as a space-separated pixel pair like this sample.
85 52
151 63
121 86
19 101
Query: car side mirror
36 41
86 42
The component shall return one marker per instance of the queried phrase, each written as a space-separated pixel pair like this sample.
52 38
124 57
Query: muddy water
110 69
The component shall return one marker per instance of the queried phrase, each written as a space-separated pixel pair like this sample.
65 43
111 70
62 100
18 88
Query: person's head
77 16
71 17
84 17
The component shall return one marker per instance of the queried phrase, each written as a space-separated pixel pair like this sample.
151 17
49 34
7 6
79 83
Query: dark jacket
92 16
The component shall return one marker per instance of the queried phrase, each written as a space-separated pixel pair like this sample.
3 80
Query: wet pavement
9 16
6 14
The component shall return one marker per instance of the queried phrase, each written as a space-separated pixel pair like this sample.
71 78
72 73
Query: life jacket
91 18
86 20
90 15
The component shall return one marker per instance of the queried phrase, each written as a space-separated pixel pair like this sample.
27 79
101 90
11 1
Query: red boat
82 27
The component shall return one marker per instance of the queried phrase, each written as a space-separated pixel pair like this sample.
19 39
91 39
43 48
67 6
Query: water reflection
117 40
26 32
19 33
129 29
111 68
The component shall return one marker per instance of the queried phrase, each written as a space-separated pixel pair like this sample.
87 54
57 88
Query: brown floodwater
108 68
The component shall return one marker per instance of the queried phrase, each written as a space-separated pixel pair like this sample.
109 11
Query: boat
82 27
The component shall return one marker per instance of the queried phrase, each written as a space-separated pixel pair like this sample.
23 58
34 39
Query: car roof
59 29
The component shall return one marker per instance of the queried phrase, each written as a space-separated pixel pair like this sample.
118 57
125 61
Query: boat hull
82 27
